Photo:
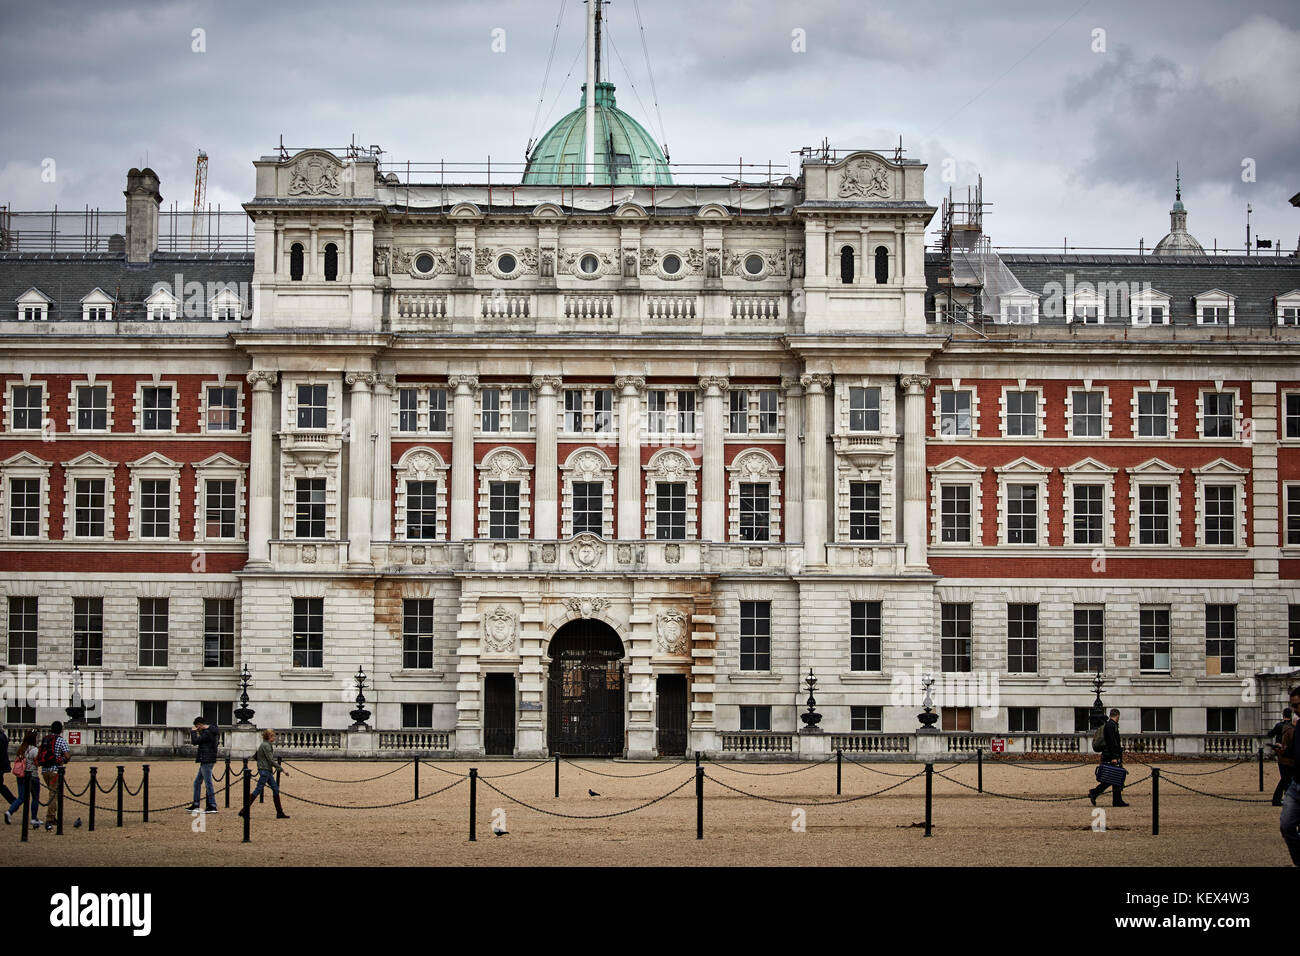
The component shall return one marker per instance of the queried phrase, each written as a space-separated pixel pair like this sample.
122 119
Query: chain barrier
67 789
884 773
618 776
582 816
307 773
514 773
1019 766
779 773
376 806
806 803
1204 773
1012 796
1216 796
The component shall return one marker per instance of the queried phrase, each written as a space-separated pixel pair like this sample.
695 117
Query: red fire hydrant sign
997 745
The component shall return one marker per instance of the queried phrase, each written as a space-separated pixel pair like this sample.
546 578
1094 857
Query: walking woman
24 768
267 764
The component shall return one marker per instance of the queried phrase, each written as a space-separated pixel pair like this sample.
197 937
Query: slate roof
67 277
1254 280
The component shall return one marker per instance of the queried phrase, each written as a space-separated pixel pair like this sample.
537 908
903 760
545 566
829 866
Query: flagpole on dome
593 40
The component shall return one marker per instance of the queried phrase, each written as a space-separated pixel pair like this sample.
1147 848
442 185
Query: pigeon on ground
497 831
592 793
77 825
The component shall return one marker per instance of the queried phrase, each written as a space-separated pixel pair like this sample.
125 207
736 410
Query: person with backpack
1290 818
24 768
52 756
267 764
206 739
5 793
1110 771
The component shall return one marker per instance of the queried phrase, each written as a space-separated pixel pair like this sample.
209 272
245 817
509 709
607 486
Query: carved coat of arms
499 630
314 176
671 625
862 180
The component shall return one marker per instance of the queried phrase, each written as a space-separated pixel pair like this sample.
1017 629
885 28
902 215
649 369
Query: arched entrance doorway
585 692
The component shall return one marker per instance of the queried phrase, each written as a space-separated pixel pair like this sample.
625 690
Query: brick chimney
142 201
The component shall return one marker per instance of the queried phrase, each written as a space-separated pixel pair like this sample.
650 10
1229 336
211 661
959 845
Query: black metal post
929 795
1155 801
417 778
277 780
248 810
58 815
227 783
94 791
1261 769
979 768
699 802
473 804
121 786
697 760
557 776
144 792
839 770
27 803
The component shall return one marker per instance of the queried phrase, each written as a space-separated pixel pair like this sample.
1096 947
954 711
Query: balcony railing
757 742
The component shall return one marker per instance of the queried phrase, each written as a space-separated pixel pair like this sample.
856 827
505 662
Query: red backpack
45 756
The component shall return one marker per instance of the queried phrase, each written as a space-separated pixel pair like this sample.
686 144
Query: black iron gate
499 714
585 694
671 715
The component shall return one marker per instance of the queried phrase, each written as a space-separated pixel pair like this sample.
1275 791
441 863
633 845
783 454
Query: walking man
1112 752
1285 762
1291 802
267 764
52 756
205 738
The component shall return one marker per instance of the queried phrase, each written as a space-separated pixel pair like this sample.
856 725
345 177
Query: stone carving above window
499 629
671 627
587 550
586 606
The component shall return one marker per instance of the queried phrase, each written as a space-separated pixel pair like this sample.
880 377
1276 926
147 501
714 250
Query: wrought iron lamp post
811 719
76 709
360 715
927 717
1097 716
243 713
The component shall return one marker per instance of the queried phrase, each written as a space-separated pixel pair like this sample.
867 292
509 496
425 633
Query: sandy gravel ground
969 828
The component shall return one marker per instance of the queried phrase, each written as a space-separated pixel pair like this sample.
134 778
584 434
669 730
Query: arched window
846 264
882 264
332 262
295 262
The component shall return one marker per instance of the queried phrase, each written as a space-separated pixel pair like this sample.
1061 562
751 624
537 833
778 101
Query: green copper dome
626 154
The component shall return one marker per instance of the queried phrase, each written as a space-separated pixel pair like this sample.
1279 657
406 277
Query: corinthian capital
815 381
262 379
915 384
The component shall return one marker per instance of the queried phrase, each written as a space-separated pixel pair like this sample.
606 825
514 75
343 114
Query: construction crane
200 195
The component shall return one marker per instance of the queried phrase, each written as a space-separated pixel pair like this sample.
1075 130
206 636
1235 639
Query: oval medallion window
424 263
672 265
754 265
589 264
506 263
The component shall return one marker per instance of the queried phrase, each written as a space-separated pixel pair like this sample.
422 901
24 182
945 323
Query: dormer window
1149 307
1215 307
97 307
1019 308
1288 308
1087 308
160 306
33 306
225 306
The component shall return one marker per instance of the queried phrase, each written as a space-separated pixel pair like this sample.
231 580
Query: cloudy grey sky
1075 131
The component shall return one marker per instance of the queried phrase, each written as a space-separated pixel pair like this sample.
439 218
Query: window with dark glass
220 504
882 265
954 413
1220 720
1216 414
686 413
153 632
218 713
846 264
306 716
767 406
1153 514
864 409
1153 640
588 507
491 410
756 717
1022 514
1086 414
313 406
503 509
1157 720
603 419
1293 635
156 408
1293 514
28 407
755 635
656 411
24 507
92 408
408 409
1022 414
573 410
309 516
151 713
421 510
1292 415
1220 639
738 417
417 716
309 632
864 511
955 638
88 632
1153 415
1089 514
295 262
955 514
864 636
1220 514
670 510
218 632
1089 637
755 511
155 507
223 408
22 631
1022 720
866 718
331 262
1022 638
519 404
437 409
417 634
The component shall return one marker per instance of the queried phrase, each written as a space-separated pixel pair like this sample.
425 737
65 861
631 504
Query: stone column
462 457
792 507
361 469
381 516
629 456
914 476
641 743
713 498
260 469
530 741
546 479
815 386
1265 518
